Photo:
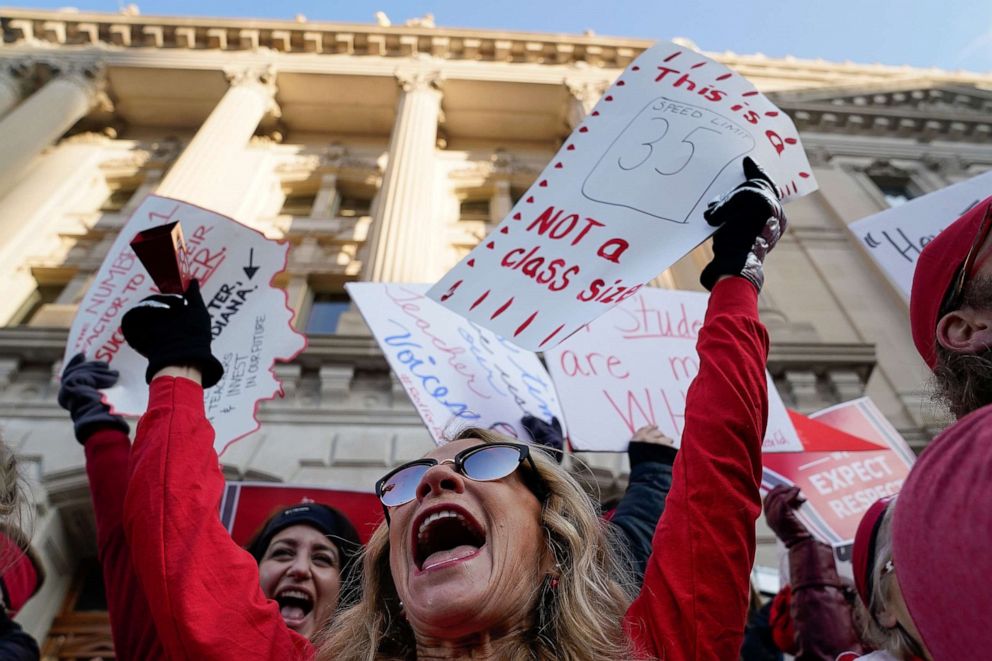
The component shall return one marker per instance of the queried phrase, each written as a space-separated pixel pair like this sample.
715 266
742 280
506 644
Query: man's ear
966 330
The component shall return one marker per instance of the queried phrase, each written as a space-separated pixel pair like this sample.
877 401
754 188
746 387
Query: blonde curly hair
579 619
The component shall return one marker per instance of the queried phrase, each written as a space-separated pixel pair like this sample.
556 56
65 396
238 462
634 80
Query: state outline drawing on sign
688 120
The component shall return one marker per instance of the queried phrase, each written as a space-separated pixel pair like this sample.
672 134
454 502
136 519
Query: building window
298 203
121 192
355 206
474 209
895 185
325 312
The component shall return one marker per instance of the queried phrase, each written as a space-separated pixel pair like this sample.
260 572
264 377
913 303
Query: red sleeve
202 588
693 602
130 619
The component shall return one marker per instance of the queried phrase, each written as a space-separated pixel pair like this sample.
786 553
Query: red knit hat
780 621
942 540
939 261
22 572
863 555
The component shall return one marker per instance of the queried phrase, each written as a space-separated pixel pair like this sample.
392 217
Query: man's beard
963 381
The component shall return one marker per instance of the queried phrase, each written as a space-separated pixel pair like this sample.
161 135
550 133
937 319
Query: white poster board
895 237
632 367
456 373
623 198
250 318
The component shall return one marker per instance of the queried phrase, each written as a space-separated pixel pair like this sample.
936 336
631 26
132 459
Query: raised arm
202 588
821 613
105 441
652 455
693 603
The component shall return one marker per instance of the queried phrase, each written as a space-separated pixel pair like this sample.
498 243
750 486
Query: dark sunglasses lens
401 487
491 463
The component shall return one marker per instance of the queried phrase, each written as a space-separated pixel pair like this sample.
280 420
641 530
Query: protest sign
623 198
840 486
456 373
245 506
250 320
632 367
895 237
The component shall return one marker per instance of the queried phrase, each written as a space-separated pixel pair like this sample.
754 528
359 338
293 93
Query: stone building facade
385 153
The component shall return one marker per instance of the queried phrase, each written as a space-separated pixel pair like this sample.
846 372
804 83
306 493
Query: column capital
262 76
415 80
89 76
259 78
585 90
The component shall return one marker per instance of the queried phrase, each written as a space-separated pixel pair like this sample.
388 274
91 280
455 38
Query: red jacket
203 589
131 624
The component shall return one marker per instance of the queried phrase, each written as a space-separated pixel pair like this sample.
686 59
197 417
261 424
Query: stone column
32 215
583 96
202 174
327 200
42 119
11 90
501 202
403 237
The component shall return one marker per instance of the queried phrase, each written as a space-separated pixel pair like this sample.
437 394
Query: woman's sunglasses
482 463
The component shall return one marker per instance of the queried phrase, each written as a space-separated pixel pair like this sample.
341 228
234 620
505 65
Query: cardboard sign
623 199
456 373
632 367
895 237
840 486
246 506
250 318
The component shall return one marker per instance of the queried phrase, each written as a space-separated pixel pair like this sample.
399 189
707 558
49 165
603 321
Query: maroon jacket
821 614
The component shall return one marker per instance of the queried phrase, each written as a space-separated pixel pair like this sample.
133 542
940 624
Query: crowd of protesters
489 548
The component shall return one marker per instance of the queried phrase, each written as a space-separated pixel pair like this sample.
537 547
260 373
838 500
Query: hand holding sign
173 330
624 198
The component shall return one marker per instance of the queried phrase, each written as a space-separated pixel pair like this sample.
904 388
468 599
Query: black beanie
324 519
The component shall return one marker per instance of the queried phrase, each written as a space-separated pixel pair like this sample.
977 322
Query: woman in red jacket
305 553
490 547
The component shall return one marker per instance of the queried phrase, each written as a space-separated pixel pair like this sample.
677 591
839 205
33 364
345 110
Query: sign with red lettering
456 373
623 198
895 237
840 486
250 319
632 367
246 506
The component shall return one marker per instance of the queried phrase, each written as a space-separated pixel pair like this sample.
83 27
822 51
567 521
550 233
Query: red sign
840 485
246 506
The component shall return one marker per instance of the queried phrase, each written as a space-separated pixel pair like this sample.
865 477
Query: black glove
781 504
550 436
173 331
79 394
753 221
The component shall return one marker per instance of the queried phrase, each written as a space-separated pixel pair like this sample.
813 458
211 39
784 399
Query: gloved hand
781 504
173 331
79 394
548 435
752 222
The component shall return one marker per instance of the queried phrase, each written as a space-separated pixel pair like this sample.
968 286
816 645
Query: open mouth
294 605
444 535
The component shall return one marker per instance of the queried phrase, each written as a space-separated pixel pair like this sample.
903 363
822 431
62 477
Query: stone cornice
42 28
